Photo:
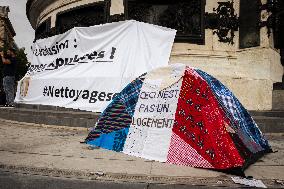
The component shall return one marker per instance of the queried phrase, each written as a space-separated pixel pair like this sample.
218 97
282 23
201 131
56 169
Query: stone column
116 7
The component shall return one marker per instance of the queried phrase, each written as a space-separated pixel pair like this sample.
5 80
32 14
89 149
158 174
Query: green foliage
22 63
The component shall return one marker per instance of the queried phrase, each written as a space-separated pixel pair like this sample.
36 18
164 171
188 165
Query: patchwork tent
183 116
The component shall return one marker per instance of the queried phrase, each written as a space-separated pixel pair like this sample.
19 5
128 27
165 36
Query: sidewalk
56 151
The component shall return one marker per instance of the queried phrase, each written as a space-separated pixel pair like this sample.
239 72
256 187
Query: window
43 30
249 21
83 16
186 16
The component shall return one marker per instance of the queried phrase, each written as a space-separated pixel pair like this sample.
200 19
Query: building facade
239 42
7 31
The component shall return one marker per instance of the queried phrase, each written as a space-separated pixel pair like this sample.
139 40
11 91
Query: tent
183 116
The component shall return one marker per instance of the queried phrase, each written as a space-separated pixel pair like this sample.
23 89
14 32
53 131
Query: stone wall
6 29
3 16
249 73
2 29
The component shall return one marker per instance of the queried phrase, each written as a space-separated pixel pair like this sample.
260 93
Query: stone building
7 31
239 42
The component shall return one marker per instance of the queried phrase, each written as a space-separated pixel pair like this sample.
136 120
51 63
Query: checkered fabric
229 103
236 116
181 153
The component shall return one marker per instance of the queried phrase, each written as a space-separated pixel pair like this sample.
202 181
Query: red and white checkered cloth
181 153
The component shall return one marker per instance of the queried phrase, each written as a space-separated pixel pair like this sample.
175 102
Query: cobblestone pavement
56 151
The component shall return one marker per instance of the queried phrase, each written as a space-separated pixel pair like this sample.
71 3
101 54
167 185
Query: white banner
84 67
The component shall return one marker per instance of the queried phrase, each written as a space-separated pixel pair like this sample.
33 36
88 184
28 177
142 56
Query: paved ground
53 153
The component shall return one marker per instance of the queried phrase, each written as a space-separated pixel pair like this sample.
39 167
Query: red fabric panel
201 123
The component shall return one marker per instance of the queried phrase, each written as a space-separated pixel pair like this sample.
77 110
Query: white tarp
84 67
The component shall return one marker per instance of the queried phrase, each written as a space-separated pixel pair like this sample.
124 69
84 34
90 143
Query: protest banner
85 67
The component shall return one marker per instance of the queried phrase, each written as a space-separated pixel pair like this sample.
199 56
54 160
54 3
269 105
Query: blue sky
24 32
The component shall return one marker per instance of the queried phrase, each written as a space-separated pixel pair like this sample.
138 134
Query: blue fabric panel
111 141
114 118
237 114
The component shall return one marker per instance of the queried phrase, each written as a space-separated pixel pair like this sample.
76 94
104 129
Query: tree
22 63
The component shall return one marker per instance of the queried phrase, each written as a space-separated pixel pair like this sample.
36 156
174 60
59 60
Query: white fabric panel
151 129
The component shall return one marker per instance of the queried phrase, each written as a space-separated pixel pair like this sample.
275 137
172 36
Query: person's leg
9 89
4 82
